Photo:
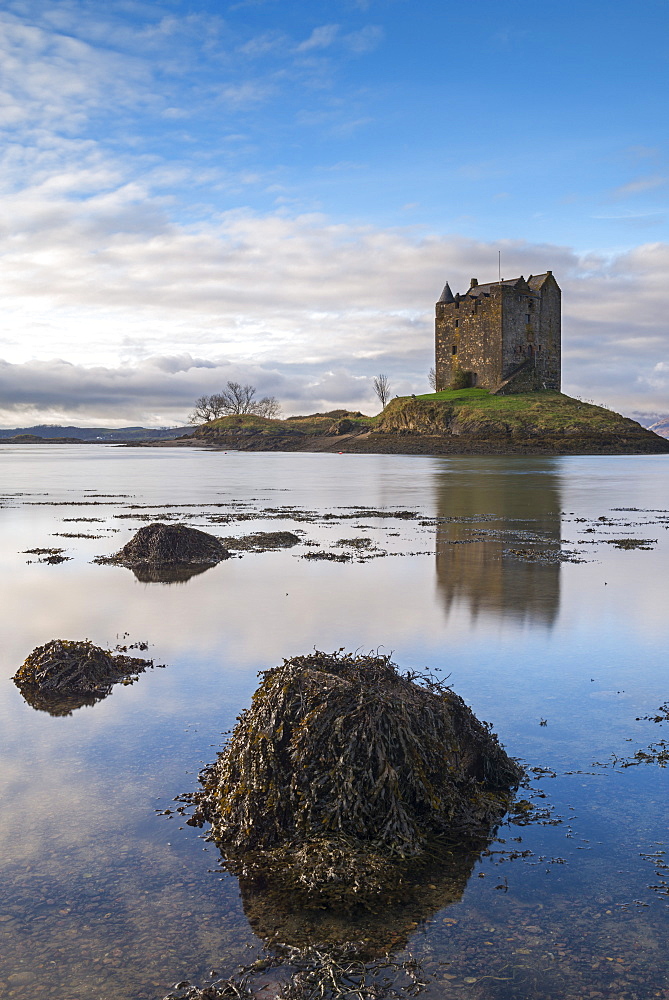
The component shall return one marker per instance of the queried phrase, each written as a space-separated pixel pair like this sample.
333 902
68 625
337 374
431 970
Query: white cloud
159 390
320 38
364 40
358 42
150 314
640 186
246 94
262 45
54 81
98 266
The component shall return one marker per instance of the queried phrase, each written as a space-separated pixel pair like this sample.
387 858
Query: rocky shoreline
378 443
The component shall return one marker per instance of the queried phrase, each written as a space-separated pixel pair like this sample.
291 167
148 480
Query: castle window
457 323
527 318
454 349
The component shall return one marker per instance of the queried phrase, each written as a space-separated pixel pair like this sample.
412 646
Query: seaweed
632 543
64 674
343 768
262 541
53 556
168 553
313 974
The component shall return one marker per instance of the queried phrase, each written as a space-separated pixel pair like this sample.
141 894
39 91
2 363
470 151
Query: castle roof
477 290
534 283
447 294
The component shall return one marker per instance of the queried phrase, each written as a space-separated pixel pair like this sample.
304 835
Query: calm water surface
103 897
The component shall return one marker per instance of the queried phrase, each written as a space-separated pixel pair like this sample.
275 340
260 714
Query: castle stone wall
493 329
520 328
476 338
549 358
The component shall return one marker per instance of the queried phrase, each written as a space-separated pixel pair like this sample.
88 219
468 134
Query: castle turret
447 294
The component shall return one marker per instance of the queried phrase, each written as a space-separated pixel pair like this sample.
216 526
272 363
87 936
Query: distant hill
661 427
111 434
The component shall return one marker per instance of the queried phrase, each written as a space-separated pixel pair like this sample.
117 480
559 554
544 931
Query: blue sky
276 191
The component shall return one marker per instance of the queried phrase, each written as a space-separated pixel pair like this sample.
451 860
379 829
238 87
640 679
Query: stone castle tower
503 336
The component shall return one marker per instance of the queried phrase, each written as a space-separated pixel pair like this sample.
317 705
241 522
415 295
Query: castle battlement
505 334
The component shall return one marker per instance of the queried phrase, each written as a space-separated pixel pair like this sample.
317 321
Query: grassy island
452 422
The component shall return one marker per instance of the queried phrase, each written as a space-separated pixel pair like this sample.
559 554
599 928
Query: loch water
536 586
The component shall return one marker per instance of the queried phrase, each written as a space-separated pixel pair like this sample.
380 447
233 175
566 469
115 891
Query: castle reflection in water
500 559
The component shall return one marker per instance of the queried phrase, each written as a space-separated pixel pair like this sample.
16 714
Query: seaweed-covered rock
342 767
160 544
262 541
64 674
168 552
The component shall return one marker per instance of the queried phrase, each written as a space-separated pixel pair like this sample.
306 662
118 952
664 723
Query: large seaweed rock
342 768
168 553
65 674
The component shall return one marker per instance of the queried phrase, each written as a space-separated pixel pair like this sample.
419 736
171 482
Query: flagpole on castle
499 266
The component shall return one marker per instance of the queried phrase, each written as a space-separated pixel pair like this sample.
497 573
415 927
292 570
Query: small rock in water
168 553
65 674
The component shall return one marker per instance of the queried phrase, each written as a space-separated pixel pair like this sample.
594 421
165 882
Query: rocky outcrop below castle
464 422
533 422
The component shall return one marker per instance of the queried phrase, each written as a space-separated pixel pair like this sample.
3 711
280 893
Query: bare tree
238 398
382 389
432 379
268 406
206 408
235 398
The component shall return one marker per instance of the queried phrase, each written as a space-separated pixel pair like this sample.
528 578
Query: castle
503 336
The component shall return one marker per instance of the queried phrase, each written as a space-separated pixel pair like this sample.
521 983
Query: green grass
452 394
544 411
517 402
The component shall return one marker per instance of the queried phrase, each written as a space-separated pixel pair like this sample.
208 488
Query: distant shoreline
453 422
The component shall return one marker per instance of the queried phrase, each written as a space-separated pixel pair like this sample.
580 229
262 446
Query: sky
276 191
